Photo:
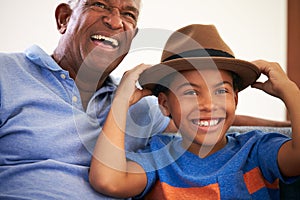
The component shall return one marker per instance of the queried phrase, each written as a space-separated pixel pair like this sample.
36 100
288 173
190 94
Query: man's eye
128 14
100 5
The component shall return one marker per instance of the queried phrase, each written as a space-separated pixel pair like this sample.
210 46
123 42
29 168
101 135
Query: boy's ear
236 98
163 104
136 31
62 15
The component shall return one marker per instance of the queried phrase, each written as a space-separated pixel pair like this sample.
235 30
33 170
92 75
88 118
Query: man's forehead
133 2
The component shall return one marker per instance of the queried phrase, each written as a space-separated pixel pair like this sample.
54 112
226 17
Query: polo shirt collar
39 57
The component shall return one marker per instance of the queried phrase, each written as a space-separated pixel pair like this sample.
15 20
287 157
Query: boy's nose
206 103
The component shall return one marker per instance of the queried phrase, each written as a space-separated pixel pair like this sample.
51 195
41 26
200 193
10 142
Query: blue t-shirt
246 168
46 137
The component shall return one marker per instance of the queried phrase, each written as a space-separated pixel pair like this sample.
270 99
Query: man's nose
113 19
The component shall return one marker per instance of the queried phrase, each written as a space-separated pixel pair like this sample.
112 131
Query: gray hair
72 3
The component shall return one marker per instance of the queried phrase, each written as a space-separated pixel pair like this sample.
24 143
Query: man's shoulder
10 62
28 54
144 105
165 138
11 56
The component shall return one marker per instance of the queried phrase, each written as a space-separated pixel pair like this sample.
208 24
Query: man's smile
106 41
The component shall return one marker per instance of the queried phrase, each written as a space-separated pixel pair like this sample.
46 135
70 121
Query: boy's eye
190 92
221 91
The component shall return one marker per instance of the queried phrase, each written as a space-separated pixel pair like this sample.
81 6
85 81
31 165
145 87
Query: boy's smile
206 124
202 105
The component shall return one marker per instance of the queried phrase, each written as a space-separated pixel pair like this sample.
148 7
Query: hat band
200 53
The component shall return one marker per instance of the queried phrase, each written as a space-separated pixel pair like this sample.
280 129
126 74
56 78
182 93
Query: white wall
253 29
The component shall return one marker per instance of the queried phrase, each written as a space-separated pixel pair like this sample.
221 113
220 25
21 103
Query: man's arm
243 120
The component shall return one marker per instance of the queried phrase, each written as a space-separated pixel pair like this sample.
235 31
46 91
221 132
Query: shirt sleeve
144 120
268 148
144 157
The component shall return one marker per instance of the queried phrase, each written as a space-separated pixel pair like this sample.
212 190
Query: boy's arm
279 85
110 172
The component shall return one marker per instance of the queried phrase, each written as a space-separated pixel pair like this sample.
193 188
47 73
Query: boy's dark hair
237 82
163 85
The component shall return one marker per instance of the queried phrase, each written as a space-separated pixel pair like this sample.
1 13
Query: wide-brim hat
198 47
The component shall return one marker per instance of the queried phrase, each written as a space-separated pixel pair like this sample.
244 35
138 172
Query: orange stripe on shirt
255 181
164 191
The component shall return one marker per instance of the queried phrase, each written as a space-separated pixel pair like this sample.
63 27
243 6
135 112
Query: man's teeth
208 122
114 42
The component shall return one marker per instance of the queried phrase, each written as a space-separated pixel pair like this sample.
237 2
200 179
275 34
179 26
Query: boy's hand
127 89
277 83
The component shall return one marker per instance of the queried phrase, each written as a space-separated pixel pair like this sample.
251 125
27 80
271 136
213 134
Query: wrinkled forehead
136 3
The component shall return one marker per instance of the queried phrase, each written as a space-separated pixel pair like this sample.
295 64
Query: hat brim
247 71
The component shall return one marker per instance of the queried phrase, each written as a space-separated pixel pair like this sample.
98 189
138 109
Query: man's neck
88 85
87 81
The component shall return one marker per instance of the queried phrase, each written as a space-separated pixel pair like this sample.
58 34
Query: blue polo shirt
46 137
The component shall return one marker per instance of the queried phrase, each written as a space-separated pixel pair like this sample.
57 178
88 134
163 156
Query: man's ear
62 14
163 104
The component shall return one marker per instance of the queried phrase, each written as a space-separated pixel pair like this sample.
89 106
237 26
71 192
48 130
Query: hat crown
195 37
198 47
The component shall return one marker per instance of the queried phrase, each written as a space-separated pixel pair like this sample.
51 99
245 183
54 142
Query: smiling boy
197 85
214 99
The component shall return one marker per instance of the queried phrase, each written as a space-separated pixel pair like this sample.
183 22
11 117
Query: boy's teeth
208 123
114 42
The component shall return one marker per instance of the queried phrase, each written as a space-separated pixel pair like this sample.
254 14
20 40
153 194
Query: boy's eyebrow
187 84
195 85
223 83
